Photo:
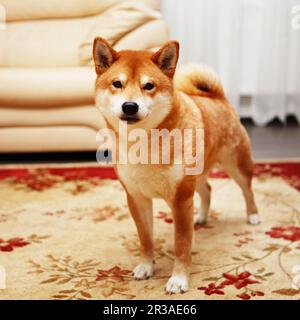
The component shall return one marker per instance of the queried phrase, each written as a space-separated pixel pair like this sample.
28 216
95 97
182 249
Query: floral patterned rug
66 233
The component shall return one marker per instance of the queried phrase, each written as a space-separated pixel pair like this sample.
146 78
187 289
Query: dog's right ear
104 55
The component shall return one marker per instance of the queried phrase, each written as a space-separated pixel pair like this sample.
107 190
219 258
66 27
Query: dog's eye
117 84
148 86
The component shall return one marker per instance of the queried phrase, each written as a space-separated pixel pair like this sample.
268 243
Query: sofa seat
48 139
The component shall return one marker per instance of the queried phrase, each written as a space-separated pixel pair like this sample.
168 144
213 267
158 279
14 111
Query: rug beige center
70 236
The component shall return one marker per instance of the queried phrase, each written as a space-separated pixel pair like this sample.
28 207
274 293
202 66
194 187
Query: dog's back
226 139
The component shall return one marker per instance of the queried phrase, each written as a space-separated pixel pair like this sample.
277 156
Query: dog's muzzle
130 110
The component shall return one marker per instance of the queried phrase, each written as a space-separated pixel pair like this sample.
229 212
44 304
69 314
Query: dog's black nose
130 108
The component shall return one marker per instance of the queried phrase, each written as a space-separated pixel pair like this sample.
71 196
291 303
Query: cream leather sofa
46 69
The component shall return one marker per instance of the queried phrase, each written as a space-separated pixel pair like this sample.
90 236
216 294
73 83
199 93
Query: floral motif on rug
66 233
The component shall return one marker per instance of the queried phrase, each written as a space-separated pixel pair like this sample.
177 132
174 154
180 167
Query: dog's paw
143 271
199 219
253 219
177 284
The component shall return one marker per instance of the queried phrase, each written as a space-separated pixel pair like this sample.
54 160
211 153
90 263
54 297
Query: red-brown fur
225 142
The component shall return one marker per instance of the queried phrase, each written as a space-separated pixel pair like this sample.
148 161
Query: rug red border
290 171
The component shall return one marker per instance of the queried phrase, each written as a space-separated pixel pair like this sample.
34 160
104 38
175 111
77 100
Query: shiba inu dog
142 90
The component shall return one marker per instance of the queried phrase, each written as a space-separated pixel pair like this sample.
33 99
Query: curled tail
198 80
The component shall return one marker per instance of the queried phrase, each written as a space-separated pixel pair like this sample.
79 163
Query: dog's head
134 86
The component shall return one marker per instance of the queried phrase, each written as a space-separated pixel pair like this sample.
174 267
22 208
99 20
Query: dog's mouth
130 119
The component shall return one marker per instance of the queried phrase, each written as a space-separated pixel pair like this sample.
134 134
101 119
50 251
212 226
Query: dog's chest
151 180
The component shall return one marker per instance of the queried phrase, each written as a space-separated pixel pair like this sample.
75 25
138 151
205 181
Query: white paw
253 218
177 284
199 218
143 271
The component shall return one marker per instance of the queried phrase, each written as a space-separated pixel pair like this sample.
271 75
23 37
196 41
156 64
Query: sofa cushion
155 30
42 139
64 42
85 115
48 87
17 10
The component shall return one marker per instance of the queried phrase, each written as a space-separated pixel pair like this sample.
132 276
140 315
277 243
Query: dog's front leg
184 229
141 210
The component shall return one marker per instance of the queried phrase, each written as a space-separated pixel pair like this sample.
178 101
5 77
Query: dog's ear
166 58
104 55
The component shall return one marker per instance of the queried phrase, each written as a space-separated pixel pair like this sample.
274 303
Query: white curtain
253 46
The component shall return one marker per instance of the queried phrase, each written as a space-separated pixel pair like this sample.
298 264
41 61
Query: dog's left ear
166 58
104 55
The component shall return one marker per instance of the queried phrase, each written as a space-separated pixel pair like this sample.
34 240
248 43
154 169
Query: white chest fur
153 181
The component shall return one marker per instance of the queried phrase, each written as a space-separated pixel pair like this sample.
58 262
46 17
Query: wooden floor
276 140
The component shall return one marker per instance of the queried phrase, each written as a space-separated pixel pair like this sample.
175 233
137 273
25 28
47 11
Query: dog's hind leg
204 191
241 170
